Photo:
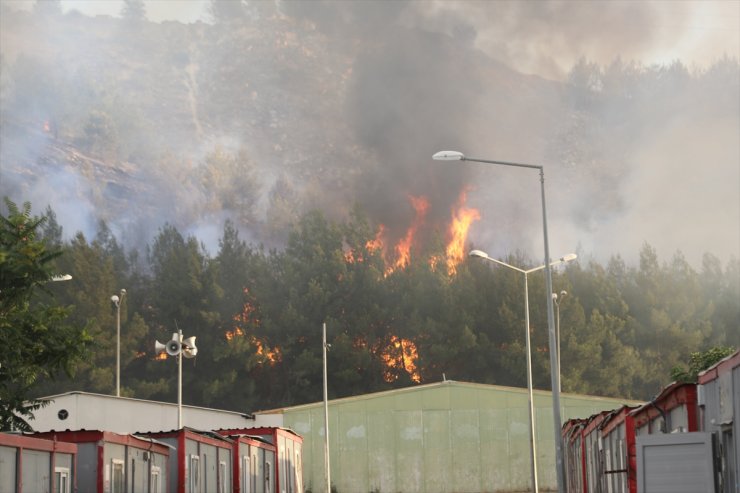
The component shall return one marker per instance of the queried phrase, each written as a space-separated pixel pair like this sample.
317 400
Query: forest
235 177
258 314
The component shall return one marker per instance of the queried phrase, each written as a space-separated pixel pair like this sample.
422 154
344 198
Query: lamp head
569 257
115 299
478 253
563 293
123 292
449 156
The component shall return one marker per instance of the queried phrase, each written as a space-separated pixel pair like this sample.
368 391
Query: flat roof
133 399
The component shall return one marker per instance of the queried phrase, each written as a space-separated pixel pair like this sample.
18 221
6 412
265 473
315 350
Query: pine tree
38 342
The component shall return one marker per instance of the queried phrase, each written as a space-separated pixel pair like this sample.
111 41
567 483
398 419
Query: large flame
462 218
399 354
403 248
399 256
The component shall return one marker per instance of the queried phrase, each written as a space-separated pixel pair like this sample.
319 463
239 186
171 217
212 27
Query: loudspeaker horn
174 346
159 347
188 347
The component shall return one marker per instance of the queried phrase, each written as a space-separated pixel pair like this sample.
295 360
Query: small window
222 477
62 480
194 474
154 480
118 479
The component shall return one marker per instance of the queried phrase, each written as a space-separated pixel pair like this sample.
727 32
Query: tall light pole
532 430
117 301
555 378
557 322
326 418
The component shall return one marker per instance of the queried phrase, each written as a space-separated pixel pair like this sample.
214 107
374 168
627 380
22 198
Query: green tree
37 342
700 361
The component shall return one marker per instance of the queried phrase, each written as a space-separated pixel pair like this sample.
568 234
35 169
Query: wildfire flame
247 316
400 354
403 248
456 235
462 218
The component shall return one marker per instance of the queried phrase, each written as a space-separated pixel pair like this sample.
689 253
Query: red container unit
719 406
111 463
201 462
254 464
674 410
32 465
593 466
288 446
619 451
575 459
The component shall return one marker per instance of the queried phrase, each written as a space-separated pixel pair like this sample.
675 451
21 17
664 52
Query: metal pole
118 347
557 331
117 300
179 382
555 376
554 368
532 431
326 420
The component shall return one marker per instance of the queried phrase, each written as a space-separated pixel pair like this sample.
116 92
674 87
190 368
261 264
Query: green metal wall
436 438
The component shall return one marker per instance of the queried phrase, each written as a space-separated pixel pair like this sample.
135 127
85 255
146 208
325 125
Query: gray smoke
343 102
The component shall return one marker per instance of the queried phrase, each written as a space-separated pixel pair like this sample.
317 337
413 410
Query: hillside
273 110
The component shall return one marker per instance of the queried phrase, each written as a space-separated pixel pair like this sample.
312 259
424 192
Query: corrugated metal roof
442 384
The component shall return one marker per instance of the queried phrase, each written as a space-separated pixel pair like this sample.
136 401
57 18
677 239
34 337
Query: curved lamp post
532 431
117 302
459 156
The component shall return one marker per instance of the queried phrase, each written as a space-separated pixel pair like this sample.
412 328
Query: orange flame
271 356
400 354
230 334
376 243
247 317
403 248
161 356
462 218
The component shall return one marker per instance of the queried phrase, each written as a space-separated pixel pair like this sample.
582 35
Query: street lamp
557 321
555 377
117 301
532 432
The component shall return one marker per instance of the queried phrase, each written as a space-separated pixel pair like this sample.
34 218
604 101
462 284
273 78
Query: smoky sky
348 102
